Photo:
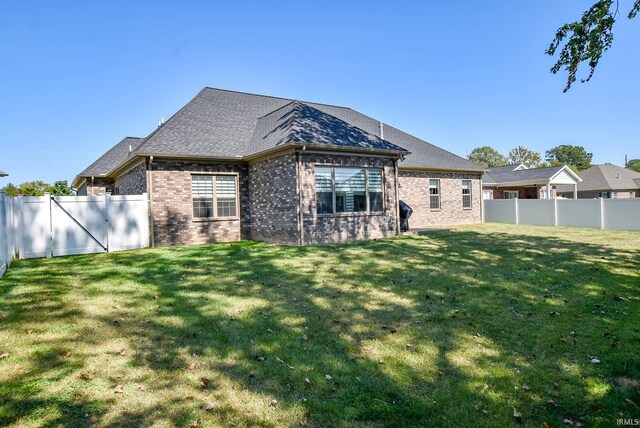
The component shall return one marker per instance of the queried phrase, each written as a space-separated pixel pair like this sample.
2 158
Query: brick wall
172 205
414 190
99 187
82 190
321 229
274 200
523 192
133 182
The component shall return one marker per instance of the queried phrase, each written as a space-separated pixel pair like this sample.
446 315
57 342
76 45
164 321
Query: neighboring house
607 181
518 181
231 165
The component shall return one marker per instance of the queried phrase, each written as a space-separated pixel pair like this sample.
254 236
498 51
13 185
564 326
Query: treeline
574 156
38 188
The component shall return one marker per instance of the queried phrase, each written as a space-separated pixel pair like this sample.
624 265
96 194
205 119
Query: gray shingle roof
607 177
299 122
508 174
228 124
112 158
3 174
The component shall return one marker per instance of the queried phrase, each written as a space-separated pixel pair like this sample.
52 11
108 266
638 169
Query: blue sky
77 77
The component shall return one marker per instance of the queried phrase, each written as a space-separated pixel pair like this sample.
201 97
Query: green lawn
446 329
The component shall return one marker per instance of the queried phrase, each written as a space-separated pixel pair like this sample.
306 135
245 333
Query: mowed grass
448 329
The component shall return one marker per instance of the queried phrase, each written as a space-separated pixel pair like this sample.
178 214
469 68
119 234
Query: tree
523 155
587 39
60 188
34 188
634 165
11 190
575 156
487 157
38 188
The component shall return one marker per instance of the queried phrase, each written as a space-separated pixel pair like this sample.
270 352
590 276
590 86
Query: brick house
520 182
230 166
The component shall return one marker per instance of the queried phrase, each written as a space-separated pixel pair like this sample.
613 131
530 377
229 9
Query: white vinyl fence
50 226
592 213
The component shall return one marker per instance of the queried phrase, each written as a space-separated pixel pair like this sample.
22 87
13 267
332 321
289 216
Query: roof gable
515 174
112 158
298 122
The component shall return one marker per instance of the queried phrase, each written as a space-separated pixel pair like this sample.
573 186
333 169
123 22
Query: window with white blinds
347 190
219 204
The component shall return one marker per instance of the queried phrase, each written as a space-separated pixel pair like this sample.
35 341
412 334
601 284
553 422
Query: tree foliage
38 188
586 39
574 156
634 165
521 154
487 157
60 188
11 190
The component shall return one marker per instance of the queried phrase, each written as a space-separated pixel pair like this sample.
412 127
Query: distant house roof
607 177
225 124
3 174
519 174
112 158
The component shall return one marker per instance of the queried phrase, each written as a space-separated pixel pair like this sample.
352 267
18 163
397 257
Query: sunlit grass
447 329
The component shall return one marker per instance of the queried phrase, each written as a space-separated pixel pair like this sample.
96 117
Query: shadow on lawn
480 309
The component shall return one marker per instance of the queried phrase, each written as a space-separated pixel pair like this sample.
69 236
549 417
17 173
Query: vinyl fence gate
51 226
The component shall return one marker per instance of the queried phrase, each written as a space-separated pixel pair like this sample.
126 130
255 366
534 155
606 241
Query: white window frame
511 192
437 196
215 196
470 195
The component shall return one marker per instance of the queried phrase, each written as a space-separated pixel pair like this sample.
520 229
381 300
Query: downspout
150 192
300 205
92 185
395 171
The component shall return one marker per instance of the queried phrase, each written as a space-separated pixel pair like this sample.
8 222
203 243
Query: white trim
569 171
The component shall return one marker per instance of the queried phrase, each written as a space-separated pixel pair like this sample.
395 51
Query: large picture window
221 203
434 194
348 190
466 193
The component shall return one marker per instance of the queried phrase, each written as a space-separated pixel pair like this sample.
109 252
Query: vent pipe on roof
161 121
130 148
381 130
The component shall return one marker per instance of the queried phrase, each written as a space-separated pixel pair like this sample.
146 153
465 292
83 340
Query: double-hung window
434 194
348 190
214 196
466 193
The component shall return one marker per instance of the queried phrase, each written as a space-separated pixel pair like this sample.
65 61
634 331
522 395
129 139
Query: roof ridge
275 110
345 122
155 131
274 97
604 176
